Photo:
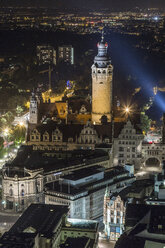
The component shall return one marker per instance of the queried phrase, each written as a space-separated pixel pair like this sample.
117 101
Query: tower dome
102 57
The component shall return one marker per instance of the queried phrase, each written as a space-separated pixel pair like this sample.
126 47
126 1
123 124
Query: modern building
43 225
83 190
23 179
46 54
66 54
102 73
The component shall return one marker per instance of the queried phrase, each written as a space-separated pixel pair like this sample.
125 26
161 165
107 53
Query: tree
19 110
145 123
1 143
17 100
18 134
6 120
9 118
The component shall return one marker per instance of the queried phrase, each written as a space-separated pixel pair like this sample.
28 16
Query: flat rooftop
82 173
21 240
67 188
39 218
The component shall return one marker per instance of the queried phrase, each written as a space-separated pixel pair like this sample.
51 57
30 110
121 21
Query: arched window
22 192
101 83
10 192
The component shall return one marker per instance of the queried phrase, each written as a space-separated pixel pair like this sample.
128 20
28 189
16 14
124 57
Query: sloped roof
76 105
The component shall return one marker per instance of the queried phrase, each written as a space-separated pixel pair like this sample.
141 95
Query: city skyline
82 123
92 4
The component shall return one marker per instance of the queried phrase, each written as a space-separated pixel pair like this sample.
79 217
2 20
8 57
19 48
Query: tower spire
102 36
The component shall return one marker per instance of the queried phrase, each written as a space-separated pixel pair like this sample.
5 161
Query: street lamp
21 124
6 131
127 110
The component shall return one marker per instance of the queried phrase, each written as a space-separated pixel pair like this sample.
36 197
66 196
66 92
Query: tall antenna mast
102 36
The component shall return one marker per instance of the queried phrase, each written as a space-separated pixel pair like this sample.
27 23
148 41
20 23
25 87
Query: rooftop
148 226
22 240
82 173
50 161
74 130
68 189
39 218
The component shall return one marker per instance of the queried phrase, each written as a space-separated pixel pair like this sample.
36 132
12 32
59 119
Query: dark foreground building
46 226
148 227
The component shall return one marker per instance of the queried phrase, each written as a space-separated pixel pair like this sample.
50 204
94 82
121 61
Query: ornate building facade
24 179
21 188
114 216
127 147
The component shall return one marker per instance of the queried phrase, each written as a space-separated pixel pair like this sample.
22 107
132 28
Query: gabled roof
76 105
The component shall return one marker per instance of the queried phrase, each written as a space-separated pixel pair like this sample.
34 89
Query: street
106 244
146 172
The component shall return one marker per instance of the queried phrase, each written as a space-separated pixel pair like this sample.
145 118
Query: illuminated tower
102 72
33 111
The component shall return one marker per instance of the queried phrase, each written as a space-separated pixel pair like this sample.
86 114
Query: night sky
89 4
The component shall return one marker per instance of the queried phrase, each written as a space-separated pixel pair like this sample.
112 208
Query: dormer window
83 109
45 136
106 140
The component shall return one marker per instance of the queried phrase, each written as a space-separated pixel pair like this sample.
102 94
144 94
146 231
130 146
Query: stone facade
127 147
102 72
34 110
21 188
153 151
69 137
85 200
114 216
